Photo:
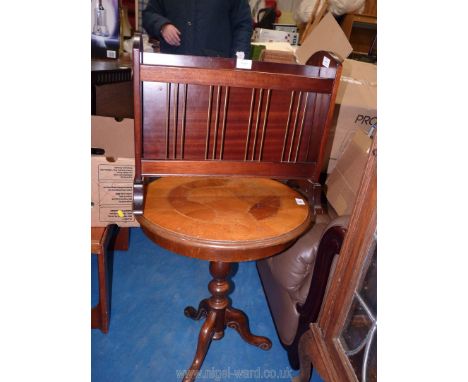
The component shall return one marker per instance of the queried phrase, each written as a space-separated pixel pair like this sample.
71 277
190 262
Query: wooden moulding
193 62
321 345
234 253
220 168
235 78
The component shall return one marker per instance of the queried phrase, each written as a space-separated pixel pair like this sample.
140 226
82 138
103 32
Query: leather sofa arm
290 267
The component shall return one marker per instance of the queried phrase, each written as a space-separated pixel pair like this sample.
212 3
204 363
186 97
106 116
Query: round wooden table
224 221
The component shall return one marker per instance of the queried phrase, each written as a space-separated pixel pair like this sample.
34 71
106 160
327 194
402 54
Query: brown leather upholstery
286 277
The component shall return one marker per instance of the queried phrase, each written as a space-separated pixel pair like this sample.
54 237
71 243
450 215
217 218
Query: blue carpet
150 339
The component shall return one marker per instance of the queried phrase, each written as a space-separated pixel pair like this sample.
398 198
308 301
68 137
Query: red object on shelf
273 4
267 16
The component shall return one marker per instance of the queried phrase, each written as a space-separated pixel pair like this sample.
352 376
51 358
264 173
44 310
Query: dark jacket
208 27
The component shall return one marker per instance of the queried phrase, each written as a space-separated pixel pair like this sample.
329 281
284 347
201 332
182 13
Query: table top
224 219
123 63
110 71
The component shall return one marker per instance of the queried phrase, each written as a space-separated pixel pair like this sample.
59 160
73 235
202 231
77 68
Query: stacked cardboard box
112 172
356 106
343 182
327 36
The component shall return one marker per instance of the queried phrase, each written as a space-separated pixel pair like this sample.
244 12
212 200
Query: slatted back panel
201 116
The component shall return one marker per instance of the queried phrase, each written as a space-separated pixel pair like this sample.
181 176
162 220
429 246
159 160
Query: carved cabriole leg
196 314
204 340
237 319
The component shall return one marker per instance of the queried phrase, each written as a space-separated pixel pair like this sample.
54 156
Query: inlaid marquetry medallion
230 209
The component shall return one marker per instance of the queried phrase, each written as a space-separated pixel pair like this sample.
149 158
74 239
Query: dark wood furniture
209 140
361 29
103 240
112 96
100 239
111 88
342 343
110 71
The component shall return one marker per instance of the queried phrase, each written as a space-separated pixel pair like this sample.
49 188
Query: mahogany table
223 221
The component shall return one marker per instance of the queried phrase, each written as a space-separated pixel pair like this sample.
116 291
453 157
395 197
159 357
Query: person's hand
171 34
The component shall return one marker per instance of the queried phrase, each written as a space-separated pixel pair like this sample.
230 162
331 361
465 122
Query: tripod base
219 315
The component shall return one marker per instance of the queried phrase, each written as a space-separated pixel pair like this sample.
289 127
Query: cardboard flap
358 85
343 182
327 36
114 137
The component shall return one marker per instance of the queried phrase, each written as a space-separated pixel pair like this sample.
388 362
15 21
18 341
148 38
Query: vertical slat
184 118
260 98
247 140
218 104
168 115
302 127
295 126
312 124
330 107
226 97
293 93
176 116
208 121
265 117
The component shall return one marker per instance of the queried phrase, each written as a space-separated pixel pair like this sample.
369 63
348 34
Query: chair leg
122 239
100 313
103 291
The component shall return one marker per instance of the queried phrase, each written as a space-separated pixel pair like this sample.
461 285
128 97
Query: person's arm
241 23
158 25
154 19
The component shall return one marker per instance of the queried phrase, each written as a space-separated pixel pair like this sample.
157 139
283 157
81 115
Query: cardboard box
327 36
112 191
112 172
356 106
105 28
113 136
343 183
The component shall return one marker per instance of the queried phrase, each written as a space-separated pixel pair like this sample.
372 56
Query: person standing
216 28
